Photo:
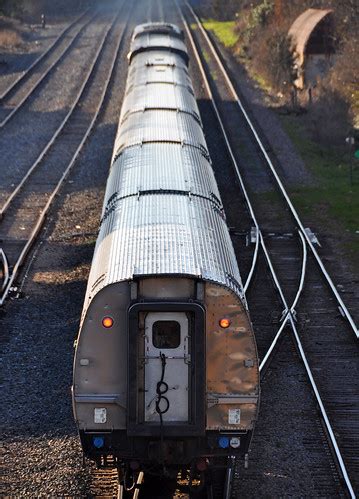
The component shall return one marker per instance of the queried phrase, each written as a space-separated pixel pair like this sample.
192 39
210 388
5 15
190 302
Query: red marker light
224 323
107 322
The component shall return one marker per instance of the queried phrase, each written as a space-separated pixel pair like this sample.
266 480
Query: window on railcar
166 334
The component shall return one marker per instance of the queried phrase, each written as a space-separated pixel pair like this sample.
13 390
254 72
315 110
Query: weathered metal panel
101 361
231 362
181 289
177 370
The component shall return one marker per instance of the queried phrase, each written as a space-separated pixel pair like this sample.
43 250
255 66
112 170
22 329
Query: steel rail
254 262
48 146
228 483
138 483
45 210
302 276
276 176
323 411
287 310
291 311
5 265
44 75
136 487
27 71
234 162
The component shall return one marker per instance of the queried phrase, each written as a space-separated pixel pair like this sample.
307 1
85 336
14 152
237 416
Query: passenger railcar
166 368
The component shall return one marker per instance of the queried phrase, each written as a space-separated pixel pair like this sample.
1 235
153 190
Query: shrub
272 56
329 118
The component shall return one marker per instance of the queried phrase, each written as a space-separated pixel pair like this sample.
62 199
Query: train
166 371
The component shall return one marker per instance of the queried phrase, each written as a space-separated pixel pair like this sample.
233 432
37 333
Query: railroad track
291 257
14 98
24 75
31 128
25 210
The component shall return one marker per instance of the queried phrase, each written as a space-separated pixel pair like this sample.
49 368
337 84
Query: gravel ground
42 456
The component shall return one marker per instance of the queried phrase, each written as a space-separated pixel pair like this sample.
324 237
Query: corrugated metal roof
159 96
164 234
162 27
159 126
159 58
303 27
161 166
162 212
160 42
157 73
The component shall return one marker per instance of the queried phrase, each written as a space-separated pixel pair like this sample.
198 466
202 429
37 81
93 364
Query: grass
224 31
333 200
261 81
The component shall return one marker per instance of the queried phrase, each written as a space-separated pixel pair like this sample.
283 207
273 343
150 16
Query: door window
166 334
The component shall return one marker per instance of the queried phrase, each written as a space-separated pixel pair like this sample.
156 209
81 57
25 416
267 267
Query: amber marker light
107 322
224 323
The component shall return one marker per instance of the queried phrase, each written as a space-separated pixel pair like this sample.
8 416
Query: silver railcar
166 367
